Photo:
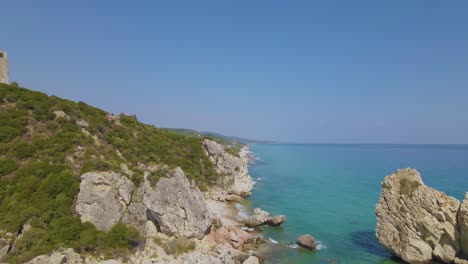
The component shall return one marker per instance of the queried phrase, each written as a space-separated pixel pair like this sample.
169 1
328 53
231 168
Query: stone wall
3 67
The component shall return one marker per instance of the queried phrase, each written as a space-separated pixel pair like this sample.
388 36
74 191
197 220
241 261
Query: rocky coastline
172 211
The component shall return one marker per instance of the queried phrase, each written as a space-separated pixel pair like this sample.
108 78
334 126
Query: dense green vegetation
47 142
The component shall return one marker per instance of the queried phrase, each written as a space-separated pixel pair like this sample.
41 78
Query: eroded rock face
67 256
4 246
103 198
416 222
463 226
233 170
178 206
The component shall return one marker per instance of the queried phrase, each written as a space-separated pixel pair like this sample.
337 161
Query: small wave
320 246
294 246
248 229
242 212
253 183
272 240
259 179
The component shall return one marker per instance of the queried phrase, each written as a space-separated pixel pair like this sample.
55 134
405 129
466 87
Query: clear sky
296 71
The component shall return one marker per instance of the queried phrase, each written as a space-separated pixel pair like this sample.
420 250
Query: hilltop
58 155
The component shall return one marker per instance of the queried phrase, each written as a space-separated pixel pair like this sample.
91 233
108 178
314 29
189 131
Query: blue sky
296 71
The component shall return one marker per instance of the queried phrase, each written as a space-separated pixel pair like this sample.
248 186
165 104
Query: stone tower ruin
3 67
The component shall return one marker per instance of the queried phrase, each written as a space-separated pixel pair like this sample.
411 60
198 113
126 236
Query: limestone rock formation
103 198
463 226
4 246
307 241
67 256
233 236
276 220
233 170
415 222
251 260
178 206
261 217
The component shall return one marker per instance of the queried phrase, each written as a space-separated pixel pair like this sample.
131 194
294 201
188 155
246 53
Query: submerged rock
415 222
234 176
178 207
103 198
307 241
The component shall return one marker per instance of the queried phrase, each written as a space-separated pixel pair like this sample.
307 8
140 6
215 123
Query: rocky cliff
234 177
417 223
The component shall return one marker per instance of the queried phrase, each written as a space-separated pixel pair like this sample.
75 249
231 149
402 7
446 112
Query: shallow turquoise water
330 191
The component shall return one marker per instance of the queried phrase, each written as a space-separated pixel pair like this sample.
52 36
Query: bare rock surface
66 256
178 206
251 260
103 198
415 222
233 170
261 217
463 226
4 246
307 241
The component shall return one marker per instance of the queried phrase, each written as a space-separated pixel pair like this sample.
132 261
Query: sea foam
272 240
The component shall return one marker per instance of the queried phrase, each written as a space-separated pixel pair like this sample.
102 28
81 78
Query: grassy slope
42 156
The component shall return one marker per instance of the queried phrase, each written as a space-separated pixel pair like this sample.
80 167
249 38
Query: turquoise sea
330 191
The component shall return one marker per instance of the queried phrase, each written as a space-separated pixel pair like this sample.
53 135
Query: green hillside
47 142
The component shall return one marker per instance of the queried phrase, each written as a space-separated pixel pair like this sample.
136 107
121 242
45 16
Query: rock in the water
233 170
259 217
416 222
178 207
103 198
276 220
463 226
307 241
67 256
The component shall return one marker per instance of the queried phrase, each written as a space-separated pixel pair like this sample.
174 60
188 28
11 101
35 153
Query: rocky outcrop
234 176
415 222
251 260
233 236
4 246
67 256
178 206
103 198
463 226
307 241
261 217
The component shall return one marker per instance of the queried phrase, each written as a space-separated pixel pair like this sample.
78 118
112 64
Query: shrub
178 246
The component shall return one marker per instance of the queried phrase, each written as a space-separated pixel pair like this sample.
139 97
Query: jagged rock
150 230
416 222
276 220
463 226
103 198
261 217
233 170
136 215
307 241
178 207
233 236
251 260
67 256
4 246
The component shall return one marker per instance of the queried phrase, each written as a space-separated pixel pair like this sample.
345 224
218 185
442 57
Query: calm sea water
330 191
